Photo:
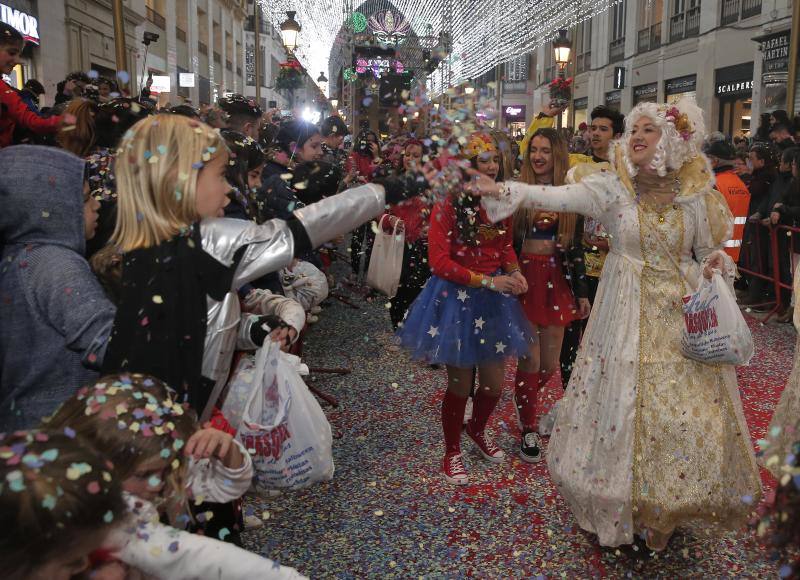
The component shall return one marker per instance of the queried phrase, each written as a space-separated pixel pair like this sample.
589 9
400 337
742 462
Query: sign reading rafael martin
514 113
27 25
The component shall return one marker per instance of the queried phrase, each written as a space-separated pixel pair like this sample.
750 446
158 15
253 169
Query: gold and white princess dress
646 440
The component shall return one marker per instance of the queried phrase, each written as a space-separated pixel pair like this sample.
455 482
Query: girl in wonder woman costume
467 316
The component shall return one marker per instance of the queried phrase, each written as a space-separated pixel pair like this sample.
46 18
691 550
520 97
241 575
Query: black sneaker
530 449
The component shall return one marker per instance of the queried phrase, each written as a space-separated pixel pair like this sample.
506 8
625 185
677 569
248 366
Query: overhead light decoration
350 75
357 22
484 33
389 30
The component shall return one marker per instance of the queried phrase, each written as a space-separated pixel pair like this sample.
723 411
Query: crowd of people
143 247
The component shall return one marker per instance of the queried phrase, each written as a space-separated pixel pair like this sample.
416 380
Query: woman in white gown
647 440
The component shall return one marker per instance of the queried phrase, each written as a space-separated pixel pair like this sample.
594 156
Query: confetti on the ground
509 521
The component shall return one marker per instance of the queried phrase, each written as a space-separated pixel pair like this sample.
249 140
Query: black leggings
412 278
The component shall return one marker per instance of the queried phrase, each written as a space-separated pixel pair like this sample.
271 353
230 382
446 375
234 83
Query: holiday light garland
485 33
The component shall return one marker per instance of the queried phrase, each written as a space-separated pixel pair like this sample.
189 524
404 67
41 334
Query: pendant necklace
660 213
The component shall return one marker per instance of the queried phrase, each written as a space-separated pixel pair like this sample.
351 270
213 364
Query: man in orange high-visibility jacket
721 154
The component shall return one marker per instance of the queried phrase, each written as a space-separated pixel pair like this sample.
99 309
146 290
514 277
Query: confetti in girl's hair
157 157
133 419
58 500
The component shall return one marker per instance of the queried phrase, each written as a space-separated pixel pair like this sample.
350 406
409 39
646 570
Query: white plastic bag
386 260
305 283
714 329
280 423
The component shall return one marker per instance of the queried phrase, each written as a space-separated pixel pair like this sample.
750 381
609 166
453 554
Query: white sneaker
468 410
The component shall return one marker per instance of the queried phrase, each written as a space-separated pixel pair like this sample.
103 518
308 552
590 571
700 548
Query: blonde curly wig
682 132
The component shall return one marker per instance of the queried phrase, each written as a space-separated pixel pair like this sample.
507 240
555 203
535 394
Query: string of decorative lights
485 33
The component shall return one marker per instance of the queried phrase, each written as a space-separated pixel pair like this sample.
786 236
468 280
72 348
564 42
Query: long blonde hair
524 218
156 171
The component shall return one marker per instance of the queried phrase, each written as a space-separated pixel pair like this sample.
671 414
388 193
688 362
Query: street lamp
561 49
322 82
334 103
289 31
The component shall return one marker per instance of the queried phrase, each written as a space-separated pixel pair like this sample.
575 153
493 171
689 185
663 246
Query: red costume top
14 112
364 165
414 213
458 262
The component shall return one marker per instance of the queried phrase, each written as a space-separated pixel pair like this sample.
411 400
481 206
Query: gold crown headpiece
478 144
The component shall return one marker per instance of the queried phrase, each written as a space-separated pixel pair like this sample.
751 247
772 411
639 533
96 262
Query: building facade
198 56
272 55
731 55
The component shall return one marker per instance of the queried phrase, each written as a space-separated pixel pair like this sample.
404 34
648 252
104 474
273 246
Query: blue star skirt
464 327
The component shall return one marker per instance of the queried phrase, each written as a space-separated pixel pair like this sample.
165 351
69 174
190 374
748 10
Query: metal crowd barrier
774 259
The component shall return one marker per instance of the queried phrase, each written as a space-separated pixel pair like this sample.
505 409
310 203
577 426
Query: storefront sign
774 70
186 80
680 85
734 81
250 65
514 113
775 51
734 89
619 77
580 103
614 98
645 93
28 25
161 84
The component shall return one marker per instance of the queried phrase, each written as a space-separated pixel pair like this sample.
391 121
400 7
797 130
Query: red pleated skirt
549 300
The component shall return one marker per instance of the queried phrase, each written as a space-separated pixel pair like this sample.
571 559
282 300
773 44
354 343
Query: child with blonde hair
162 460
182 265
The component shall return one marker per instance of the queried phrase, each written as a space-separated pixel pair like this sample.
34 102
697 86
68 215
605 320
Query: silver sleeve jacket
268 248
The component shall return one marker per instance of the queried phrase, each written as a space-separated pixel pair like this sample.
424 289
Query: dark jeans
573 334
412 278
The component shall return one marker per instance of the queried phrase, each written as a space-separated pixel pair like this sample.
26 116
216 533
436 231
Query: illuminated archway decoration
482 33
357 22
389 29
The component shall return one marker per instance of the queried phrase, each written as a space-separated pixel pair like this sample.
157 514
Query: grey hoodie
54 316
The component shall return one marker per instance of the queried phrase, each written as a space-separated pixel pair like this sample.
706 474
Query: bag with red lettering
279 421
714 329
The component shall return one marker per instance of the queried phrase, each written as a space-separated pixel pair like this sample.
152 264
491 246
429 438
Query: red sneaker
490 451
454 470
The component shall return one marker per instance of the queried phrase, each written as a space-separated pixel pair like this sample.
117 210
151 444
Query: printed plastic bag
714 329
281 424
386 260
